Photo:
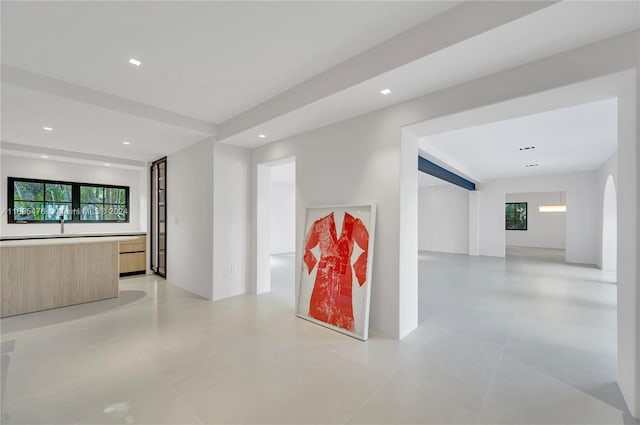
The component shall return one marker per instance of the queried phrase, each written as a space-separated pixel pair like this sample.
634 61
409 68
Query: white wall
282 216
230 221
363 160
189 218
628 186
407 236
630 142
581 216
610 227
353 162
443 219
360 160
474 223
208 210
544 230
136 179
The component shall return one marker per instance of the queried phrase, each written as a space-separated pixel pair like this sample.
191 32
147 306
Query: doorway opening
494 292
276 229
443 239
536 226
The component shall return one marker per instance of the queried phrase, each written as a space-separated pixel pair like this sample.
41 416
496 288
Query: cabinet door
132 262
133 245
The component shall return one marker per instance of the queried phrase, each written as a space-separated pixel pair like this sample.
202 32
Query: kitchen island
39 273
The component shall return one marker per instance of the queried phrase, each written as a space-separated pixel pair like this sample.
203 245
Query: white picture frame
334 290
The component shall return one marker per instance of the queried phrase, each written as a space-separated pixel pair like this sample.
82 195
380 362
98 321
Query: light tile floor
527 339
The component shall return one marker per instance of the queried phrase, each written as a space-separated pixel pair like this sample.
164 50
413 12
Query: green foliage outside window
516 216
35 201
41 201
102 203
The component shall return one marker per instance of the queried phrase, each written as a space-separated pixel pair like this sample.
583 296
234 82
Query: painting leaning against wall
335 283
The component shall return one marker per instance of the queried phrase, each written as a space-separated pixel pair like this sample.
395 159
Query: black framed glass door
159 217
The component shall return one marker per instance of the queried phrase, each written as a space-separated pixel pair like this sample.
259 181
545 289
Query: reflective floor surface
526 339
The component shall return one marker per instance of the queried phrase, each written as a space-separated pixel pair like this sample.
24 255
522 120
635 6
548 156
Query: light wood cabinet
131 262
56 274
133 256
134 245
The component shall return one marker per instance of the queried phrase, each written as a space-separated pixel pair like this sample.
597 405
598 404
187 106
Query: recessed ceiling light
107 164
262 136
385 91
47 128
44 156
526 148
124 142
135 62
531 165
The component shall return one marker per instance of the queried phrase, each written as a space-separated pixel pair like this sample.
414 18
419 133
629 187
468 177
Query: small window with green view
516 215
42 201
98 203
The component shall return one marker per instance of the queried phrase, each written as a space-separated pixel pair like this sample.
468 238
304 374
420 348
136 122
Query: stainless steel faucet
62 224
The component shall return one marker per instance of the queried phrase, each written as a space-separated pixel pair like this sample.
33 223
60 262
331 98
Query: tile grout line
373 394
493 378
495 372
187 405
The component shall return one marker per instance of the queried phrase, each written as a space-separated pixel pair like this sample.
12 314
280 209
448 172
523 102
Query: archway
610 227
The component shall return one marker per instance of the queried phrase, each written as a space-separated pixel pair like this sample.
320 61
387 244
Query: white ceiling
576 138
206 62
551 30
206 59
79 127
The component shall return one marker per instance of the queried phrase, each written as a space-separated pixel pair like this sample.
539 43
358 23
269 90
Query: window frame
104 204
75 201
526 216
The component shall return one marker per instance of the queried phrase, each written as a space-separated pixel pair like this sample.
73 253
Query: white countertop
68 235
64 241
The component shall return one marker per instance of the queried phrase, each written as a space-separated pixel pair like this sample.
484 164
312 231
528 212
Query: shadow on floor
610 394
66 314
7 347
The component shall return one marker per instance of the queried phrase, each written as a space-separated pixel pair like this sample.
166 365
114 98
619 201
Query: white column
263 224
474 242
628 236
408 260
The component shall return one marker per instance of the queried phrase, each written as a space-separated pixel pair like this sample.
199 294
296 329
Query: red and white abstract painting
335 283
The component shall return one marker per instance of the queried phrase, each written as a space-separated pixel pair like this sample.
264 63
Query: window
42 201
99 203
516 215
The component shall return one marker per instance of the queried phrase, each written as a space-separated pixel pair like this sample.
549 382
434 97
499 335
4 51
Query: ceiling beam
435 170
19 149
33 81
452 27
